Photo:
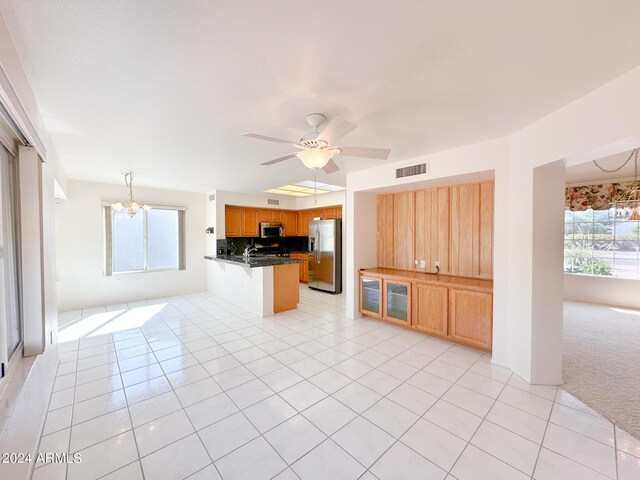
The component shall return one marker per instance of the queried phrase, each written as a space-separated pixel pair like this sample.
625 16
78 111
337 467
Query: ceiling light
130 206
315 158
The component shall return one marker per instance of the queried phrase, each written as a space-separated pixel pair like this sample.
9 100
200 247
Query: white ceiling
588 172
166 87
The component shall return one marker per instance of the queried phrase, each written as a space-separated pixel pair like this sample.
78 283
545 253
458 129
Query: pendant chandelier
131 206
626 205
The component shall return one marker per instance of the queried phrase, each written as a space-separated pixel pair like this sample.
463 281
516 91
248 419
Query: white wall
620 292
326 200
80 248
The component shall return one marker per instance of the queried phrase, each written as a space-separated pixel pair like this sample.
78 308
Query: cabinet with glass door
397 301
371 296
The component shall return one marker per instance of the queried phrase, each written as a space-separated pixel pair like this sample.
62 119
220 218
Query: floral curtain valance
597 197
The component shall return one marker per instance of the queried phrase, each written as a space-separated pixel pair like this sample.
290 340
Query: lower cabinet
371 296
470 319
431 309
397 301
449 307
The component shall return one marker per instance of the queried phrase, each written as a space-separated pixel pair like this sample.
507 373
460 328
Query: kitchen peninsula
262 285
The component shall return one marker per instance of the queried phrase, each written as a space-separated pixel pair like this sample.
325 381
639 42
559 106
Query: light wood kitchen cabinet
449 225
430 309
457 308
470 319
432 229
396 306
371 296
250 222
403 230
472 230
384 232
290 222
233 221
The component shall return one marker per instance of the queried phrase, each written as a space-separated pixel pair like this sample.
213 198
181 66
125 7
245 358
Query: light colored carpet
602 360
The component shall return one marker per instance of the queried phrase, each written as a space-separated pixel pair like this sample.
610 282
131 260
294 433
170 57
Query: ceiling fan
317 149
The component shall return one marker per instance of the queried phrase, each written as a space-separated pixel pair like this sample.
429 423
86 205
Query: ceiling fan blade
279 159
330 167
379 153
269 139
336 129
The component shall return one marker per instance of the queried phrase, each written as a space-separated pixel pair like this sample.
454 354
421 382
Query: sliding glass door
10 311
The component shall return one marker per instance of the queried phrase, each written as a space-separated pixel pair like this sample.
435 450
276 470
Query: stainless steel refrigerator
325 259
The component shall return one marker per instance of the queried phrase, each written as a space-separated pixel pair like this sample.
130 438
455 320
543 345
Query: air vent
273 201
411 171
212 197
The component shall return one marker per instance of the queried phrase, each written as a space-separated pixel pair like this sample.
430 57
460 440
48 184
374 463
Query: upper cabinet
290 221
245 221
233 221
451 227
403 230
250 222
472 230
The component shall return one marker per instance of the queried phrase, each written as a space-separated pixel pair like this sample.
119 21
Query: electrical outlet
423 264
437 264
415 262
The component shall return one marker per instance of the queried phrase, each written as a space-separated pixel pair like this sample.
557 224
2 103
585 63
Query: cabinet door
290 221
250 220
397 301
430 308
371 296
384 230
264 215
303 223
232 221
277 216
472 230
403 230
471 315
330 213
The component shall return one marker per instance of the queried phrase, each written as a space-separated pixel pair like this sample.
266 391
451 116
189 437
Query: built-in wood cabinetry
303 268
250 222
472 230
451 227
403 230
385 234
431 308
470 317
245 221
233 222
290 221
457 308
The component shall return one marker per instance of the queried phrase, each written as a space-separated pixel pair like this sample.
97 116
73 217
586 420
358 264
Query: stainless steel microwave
271 230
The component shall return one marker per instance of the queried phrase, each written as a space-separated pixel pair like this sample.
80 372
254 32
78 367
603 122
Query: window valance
597 196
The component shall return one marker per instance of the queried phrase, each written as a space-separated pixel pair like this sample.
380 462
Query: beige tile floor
195 387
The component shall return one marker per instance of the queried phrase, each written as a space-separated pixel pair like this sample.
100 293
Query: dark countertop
253 262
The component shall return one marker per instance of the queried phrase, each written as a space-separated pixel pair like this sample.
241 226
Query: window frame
614 222
108 241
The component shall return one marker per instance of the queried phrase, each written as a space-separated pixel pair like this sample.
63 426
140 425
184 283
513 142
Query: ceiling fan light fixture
315 158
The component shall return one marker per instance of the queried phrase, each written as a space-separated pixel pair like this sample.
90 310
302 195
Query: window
597 243
148 241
